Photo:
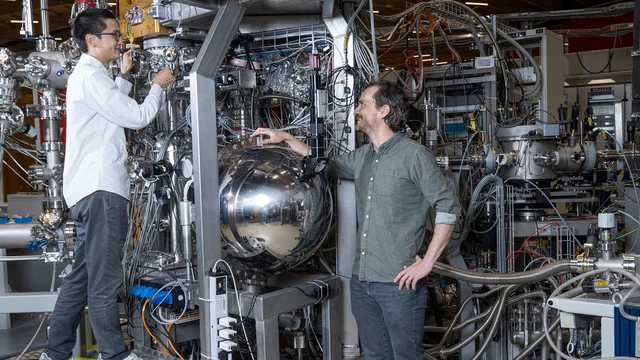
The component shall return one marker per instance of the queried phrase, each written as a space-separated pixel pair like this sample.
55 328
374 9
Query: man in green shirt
397 182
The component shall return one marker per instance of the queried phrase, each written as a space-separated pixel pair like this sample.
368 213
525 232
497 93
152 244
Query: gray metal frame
28 302
346 197
269 306
205 148
5 318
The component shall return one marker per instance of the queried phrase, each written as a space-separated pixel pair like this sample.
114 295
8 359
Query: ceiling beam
536 5
584 3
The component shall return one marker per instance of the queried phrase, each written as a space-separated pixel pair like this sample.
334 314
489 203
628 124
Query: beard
361 125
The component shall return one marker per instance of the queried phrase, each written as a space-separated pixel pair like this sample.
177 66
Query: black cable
591 72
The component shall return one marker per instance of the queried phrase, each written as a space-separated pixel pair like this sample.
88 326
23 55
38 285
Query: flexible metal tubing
495 312
457 316
534 294
555 268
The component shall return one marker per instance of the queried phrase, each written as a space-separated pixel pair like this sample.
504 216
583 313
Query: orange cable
531 236
171 342
146 327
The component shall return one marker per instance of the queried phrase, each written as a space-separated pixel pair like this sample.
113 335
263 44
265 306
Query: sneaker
131 356
44 356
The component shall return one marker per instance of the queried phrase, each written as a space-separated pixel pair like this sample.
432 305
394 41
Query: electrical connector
228 334
227 345
227 321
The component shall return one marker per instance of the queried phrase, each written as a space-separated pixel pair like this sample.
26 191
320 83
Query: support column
205 154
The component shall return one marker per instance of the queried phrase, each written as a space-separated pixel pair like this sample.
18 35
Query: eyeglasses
116 34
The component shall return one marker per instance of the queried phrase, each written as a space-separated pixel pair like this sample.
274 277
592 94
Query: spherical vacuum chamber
271 220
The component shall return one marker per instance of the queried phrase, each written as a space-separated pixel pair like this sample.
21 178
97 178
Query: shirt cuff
446 218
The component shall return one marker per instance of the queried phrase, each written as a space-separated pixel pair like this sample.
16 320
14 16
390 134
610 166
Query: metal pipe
555 268
461 311
15 236
27 14
185 226
21 258
373 40
535 343
172 156
44 18
494 324
534 294
495 315
49 101
610 264
460 326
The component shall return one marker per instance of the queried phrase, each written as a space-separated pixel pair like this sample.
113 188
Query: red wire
531 236
524 251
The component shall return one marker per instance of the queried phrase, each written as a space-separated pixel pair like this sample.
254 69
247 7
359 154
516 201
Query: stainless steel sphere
271 220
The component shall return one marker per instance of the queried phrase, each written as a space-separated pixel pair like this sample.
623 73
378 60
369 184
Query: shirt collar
91 61
387 145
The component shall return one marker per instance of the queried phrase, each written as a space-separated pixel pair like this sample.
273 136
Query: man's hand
127 63
410 276
274 136
164 78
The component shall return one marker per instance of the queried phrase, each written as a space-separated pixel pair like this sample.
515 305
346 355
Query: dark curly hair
90 21
391 94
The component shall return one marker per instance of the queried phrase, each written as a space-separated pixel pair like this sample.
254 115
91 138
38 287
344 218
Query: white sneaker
44 356
131 356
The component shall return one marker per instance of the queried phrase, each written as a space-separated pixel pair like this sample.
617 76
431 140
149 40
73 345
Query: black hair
90 21
392 95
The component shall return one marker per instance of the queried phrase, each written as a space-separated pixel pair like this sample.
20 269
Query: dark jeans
390 321
96 278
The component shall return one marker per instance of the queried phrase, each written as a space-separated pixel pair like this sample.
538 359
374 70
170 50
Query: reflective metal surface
270 219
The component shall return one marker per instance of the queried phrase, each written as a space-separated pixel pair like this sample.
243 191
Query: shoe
44 356
131 356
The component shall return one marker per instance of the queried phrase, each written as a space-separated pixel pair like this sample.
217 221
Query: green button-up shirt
395 188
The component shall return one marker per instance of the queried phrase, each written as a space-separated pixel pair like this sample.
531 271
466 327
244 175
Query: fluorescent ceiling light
376 11
57 39
476 3
112 4
429 59
20 21
600 81
424 55
441 63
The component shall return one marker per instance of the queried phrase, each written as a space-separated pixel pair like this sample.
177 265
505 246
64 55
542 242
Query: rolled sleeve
446 218
438 192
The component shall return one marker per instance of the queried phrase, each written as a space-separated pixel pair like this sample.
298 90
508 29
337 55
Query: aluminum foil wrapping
292 76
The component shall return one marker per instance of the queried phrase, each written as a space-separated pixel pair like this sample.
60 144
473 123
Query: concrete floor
14 340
